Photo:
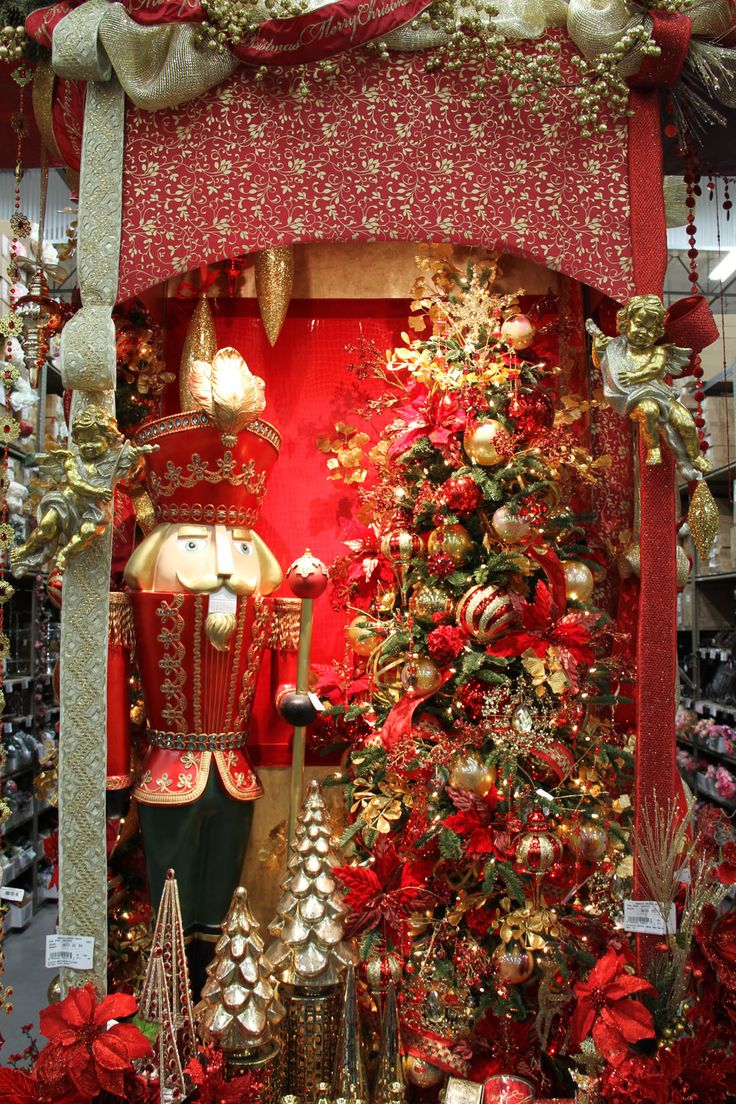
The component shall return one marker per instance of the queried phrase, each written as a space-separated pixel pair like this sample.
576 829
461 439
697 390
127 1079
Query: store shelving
706 614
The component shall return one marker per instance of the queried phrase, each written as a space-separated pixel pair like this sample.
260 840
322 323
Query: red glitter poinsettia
543 628
438 416
385 894
606 1009
472 821
83 1050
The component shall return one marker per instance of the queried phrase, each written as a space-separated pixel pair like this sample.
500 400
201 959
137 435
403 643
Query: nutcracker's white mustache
208 584
219 627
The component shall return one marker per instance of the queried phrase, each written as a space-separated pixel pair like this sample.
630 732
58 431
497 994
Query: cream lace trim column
88 366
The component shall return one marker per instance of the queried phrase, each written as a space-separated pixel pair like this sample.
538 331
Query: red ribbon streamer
312 36
656 770
690 323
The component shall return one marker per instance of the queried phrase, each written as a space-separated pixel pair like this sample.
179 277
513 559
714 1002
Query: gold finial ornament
274 269
389 1086
78 508
200 344
349 1081
702 517
634 366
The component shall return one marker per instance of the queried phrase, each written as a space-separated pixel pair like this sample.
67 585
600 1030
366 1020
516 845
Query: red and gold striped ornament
485 612
537 850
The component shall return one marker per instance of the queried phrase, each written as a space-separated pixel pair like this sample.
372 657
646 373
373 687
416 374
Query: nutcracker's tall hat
212 463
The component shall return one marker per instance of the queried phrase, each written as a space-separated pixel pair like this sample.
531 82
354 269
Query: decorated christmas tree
489 766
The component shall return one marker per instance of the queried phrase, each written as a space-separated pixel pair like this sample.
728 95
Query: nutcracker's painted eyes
244 547
194 544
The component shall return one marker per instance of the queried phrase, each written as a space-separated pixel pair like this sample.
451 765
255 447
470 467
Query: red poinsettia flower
438 416
606 1010
93 1056
385 894
543 628
472 821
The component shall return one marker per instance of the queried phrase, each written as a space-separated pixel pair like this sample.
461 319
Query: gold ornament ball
420 675
421 1073
579 580
53 993
469 772
478 442
453 540
509 526
518 331
514 963
431 604
362 635
588 840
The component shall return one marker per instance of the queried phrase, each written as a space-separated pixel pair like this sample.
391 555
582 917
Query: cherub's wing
678 360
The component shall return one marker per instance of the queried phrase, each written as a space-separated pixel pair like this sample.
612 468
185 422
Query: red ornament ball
307 576
461 495
532 411
485 612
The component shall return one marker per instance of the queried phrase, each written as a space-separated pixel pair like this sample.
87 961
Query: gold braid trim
284 635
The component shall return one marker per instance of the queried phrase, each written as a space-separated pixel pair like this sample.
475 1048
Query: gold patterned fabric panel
377 151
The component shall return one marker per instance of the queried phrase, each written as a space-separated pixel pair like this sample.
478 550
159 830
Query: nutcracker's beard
219 627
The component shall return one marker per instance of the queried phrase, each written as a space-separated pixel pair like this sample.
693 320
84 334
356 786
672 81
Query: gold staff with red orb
308 577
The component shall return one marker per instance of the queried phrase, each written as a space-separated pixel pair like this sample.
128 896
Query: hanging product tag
74 951
645 918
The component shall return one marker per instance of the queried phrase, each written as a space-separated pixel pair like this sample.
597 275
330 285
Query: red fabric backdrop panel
308 389
376 151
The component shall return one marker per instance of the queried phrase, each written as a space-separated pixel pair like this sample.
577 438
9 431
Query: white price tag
545 795
699 707
75 951
645 918
683 875
316 702
25 683
724 656
12 893
223 601
7 726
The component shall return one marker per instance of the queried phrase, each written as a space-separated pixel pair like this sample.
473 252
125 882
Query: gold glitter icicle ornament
702 518
274 281
199 344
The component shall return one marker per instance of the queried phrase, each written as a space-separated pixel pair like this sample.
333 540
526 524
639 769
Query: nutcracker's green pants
204 843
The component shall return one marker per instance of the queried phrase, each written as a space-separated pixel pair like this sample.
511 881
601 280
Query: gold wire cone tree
239 1010
308 952
308 948
170 1002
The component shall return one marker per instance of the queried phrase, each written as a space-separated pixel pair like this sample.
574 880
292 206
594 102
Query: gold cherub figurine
634 366
77 510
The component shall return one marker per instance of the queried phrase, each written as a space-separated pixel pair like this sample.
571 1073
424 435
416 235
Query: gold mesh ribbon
162 66
88 367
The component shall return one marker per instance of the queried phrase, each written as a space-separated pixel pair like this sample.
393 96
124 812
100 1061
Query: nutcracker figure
199 585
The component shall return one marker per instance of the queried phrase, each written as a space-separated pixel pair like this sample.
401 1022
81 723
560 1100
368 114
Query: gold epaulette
284 635
120 623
